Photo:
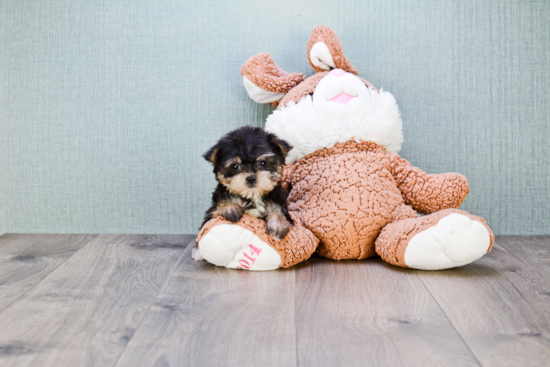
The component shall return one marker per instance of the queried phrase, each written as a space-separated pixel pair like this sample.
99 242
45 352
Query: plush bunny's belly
345 195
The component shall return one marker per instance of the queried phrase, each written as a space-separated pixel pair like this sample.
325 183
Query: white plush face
341 96
342 109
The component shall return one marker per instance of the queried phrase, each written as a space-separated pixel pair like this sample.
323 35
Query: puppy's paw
232 213
278 227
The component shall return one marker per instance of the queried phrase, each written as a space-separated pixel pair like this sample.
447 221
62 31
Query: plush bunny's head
332 106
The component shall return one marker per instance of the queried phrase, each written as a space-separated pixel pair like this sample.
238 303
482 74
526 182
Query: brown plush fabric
302 90
394 238
404 212
329 38
428 193
346 194
297 246
354 200
262 71
308 87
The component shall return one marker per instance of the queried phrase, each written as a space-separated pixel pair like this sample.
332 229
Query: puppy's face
248 161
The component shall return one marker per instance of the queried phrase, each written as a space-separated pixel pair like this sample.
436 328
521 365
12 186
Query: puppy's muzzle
251 180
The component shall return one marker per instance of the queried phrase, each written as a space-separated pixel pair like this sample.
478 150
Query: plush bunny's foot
247 245
234 247
446 239
455 240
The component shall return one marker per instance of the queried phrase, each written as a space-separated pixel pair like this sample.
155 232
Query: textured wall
106 106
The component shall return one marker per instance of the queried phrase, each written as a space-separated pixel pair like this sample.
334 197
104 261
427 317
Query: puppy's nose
337 72
251 179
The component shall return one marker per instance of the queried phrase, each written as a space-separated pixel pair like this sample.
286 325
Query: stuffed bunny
351 195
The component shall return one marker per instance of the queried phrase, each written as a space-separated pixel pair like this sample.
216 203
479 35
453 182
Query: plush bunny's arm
428 193
286 179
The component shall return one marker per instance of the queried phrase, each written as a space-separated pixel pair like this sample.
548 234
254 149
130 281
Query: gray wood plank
369 313
85 312
498 309
210 316
7 237
27 259
531 250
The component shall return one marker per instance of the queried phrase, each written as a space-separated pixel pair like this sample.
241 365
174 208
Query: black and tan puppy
248 163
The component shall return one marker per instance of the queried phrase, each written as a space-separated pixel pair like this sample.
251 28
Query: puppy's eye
262 163
236 166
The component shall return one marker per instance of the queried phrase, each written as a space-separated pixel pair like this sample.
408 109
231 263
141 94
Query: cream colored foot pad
234 247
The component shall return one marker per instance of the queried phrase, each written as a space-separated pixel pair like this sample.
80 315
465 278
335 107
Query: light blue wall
106 106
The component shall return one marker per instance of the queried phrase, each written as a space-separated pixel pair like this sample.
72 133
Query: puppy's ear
212 154
324 51
279 143
265 82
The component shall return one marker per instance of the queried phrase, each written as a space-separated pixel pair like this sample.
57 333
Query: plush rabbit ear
265 82
324 51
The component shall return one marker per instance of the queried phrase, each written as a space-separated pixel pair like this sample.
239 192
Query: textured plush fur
248 164
308 129
351 196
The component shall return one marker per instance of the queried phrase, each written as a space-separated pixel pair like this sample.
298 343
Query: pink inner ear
342 98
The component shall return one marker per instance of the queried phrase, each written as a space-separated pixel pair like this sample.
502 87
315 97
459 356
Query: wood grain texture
27 259
140 300
86 311
210 316
498 308
533 251
369 313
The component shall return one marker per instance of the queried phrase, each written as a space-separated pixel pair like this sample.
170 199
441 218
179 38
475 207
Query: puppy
248 163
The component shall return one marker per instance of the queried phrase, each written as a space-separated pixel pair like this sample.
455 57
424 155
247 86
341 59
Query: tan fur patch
237 184
264 156
232 161
259 210
224 181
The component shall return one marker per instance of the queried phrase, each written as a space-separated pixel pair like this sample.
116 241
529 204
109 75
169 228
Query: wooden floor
140 300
